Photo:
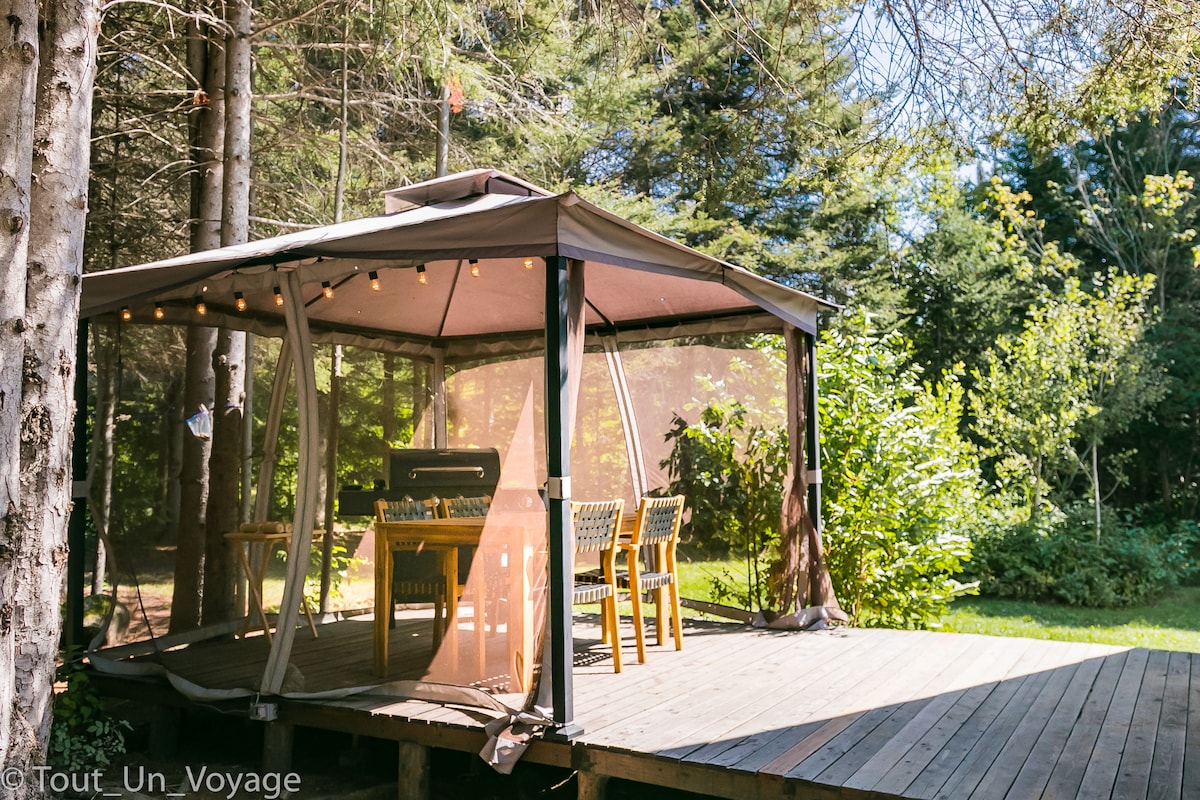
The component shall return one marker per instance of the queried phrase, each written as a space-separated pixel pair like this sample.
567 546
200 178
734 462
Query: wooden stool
269 535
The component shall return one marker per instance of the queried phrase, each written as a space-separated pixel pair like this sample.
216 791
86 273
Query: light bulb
159 313
326 289
474 262
278 297
374 276
239 301
421 277
527 263
201 309
126 314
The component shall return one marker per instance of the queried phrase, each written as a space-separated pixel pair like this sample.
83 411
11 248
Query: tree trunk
18 91
1096 485
172 433
229 358
206 125
58 210
225 477
101 472
193 484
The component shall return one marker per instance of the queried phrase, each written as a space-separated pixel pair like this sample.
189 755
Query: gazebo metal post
558 490
441 432
812 438
76 524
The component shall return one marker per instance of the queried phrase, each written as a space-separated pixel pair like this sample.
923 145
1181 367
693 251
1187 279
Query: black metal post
558 452
812 437
76 525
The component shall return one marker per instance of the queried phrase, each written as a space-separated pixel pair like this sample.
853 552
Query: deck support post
591 786
277 747
413 772
164 732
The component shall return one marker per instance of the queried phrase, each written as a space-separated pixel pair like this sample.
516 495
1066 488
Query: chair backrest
402 510
466 506
596 524
657 520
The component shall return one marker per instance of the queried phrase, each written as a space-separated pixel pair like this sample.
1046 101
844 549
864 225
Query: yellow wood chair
416 577
452 507
596 526
657 526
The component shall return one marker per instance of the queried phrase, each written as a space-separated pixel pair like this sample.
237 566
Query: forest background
1001 193
1012 377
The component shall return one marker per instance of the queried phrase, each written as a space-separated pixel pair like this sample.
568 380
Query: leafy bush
902 487
1058 558
82 735
732 475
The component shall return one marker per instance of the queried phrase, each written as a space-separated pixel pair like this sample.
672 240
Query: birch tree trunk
100 474
229 358
206 62
58 209
18 91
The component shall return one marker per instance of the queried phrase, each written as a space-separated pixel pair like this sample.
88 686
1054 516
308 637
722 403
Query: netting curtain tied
307 475
807 587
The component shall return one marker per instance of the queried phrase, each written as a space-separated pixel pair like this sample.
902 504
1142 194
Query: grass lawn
1170 623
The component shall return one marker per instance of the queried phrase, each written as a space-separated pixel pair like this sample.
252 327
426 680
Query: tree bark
18 92
229 357
101 471
58 210
206 124
225 477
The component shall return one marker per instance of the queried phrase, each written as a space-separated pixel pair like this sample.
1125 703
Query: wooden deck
744 713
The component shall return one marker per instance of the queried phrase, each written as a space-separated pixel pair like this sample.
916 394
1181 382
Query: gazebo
480 266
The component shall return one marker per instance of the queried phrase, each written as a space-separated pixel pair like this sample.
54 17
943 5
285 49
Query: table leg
383 606
451 569
255 591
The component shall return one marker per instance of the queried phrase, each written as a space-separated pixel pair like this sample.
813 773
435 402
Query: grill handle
476 471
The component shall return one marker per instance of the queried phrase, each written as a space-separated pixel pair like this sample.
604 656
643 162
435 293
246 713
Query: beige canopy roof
635 279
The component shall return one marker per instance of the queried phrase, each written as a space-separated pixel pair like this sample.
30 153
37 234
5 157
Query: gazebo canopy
635 279
474 266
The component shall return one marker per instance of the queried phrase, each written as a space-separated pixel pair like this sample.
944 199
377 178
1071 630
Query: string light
421 278
474 262
374 276
159 313
201 309
126 314
278 297
327 290
239 301
527 263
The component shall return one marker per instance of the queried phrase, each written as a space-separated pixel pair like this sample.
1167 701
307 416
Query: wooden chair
416 577
596 526
460 506
657 526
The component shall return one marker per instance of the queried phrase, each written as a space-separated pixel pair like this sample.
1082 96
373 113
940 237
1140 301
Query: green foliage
83 737
1057 557
732 475
901 486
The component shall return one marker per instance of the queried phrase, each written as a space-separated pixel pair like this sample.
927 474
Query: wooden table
257 571
446 536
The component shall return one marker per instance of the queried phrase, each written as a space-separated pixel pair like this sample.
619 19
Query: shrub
1058 558
902 487
82 735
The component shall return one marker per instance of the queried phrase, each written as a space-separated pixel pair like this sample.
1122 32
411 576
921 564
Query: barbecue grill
423 474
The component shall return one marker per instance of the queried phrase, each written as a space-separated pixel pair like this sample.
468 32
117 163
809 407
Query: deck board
1101 771
746 713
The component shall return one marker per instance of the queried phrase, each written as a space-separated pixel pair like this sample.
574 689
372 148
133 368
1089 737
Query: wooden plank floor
745 713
